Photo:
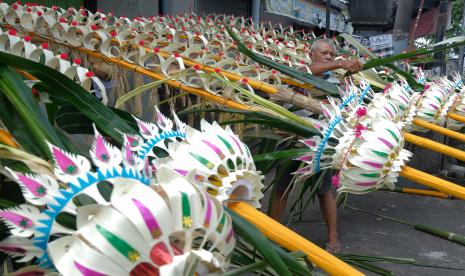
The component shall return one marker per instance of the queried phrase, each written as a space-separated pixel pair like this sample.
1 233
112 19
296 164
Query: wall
130 8
180 6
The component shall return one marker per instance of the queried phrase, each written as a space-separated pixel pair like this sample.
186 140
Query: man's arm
352 65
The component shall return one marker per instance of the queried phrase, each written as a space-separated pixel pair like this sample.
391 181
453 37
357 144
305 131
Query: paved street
366 234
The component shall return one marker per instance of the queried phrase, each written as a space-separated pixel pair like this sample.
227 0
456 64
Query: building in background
301 14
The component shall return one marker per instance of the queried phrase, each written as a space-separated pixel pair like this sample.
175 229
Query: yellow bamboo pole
258 85
265 87
425 192
435 146
456 117
7 139
417 192
442 130
434 182
292 241
198 92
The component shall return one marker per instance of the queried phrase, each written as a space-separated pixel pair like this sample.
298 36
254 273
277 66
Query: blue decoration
152 142
53 210
323 142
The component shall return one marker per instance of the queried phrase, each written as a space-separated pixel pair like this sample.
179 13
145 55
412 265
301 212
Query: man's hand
351 65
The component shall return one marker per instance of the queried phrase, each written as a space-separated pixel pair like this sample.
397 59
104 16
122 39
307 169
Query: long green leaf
253 236
61 86
459 41
275 124
288 154
375 269
291 261
261 118
292 72
16 126
145 87
71 120
19 95
262 264
5 203
410 79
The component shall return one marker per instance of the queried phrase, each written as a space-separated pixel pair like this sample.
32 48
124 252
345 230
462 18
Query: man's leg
279 198
328 208
279 203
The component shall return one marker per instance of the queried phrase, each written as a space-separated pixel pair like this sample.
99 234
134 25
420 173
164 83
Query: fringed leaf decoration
103 154
147 130
37 189
20 247
18 219
69 167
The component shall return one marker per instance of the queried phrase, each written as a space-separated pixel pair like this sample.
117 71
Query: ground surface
366 234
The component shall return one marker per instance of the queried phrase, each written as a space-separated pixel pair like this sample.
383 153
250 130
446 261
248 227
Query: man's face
324 53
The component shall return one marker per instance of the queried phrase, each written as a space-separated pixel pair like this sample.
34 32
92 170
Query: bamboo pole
456 117
434 182
435 146
292 241
258 85
417 192
442 130
7 139
198 92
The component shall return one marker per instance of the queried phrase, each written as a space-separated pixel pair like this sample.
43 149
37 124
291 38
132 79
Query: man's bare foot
334 249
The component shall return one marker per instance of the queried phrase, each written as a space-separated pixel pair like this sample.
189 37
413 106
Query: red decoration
35 93
361 111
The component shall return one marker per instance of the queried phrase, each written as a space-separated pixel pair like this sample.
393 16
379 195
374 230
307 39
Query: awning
428 22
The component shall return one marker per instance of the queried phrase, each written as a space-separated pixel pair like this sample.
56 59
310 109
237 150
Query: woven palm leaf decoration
224 165
458 106
159 229
436 101
362 142
11 43
163 43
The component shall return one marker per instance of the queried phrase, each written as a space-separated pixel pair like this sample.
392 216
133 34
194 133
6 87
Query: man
323 56
323 53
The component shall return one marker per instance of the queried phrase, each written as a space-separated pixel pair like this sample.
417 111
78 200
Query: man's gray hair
316 44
